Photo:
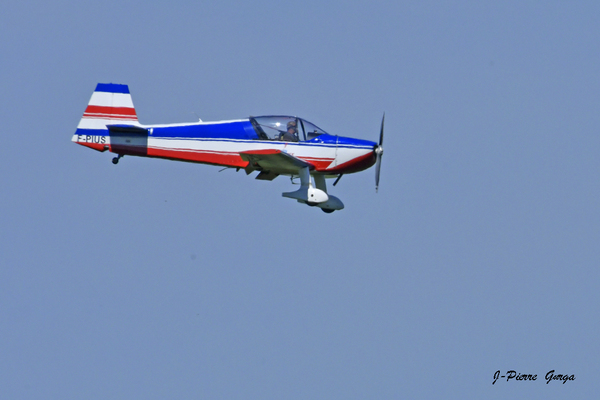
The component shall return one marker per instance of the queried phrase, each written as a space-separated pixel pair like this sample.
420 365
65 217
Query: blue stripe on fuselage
341 141
229 130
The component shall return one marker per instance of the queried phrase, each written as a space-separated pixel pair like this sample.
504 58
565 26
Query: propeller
379 153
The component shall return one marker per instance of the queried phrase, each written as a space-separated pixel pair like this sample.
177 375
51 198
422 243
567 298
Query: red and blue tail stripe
110 104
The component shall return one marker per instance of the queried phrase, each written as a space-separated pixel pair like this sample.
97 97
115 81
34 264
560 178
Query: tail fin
110 104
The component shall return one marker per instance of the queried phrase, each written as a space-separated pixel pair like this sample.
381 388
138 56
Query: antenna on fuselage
199 119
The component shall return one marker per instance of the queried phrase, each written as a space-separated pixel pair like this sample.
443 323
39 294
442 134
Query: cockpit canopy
285 128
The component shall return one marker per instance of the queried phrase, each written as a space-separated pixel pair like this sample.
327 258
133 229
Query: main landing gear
116 159
314 196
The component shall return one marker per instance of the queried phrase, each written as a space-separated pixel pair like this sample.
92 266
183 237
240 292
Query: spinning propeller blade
379 154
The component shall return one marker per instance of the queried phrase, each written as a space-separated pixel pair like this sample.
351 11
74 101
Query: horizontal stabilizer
128 129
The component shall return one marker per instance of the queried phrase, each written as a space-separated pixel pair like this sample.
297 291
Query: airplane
273 145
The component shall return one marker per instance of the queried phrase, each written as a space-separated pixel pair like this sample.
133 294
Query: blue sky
158 279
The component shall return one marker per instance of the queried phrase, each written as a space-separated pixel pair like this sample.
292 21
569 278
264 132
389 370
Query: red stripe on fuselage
355 165
226 159
320 164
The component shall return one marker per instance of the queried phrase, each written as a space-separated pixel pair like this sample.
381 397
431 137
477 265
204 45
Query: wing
272 163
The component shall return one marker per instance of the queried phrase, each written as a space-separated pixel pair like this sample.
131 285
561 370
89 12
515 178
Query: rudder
110 104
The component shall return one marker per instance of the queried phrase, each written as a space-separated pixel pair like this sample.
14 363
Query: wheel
327 210
115 160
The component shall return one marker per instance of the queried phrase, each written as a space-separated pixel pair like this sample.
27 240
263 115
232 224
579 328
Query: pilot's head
292 127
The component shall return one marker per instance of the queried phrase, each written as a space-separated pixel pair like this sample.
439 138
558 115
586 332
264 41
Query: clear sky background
155 279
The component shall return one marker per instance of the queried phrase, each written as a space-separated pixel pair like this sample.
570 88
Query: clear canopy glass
285 128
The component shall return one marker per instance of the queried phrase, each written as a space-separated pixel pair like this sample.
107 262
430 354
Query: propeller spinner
379 153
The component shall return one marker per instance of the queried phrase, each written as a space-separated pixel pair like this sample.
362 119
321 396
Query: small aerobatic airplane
271 145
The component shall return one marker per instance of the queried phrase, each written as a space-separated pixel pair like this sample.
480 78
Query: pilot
292 132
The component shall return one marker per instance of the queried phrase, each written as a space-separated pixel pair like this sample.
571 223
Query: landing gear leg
333 203
116 159
307 194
